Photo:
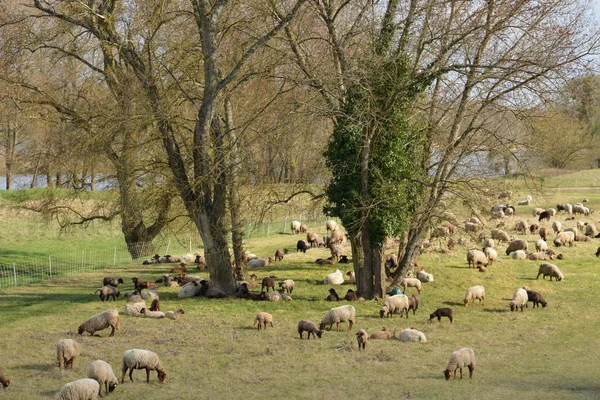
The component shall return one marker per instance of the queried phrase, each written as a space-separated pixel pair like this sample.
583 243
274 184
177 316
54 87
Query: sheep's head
80 330
112 386
161 376
319 333
383 311
544 304
447 374
6 384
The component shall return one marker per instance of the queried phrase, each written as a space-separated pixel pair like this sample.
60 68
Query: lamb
336 250
412 335
4 380
100 322
540 256
491 255
475 293
155 305
152 314
142 359
337 315
287 285
535 297
523 203
109 281
397 303
335 278
384 333
464 357
279 253
333 296
500 235
424 276
141 284
556 227
82 389
518 255
518 244
350 296
541 245
107 291
441 312
310 327
543 234
302 246
590 230
550 270
521 226
519 300
67 351
259 262
174 314
413 303
476 257
134 308
331 225
295 225
313 239
533 228
177 270
564 238
276 296
410 282
302 228
263 318
361 337
268 282
102 372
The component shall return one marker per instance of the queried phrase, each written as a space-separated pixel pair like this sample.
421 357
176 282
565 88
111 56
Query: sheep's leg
471 369
147 375
271 325
112 333
123 375
460 372
337 326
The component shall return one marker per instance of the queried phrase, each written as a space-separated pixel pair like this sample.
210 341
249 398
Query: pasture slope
214 352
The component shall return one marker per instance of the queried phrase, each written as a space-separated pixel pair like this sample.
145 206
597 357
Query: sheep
590 230
498 214
174 314
109 281
4 380
107 291
491 255
384 333
151 294
543 234
310 327
324 261
397 303
463 241
581 224
302 246
134 308
410 282
578 208
331 225
102 372
350 296
540 256
182 268
155 305
544 215
100 322
500 235
337 236
263 318
192 289
550 270
152 314
351 277
412 335
476 257
521 226
441 312
287 285
333 296
475 293
276 296
214 292
67 351
295 225
337 315
195 258
413 304
391 261
518 255
519 300
523 203
142 359
81 389
279 253
536 211
335 278
535 297
361 337
336 250
141 284
464 357
488 242
564 238
259 262
568 208
533 228
556 227
572 229
424 276
268 282
249 256
541 245
518 244
471 227
580 238
313 239
597 252
440 232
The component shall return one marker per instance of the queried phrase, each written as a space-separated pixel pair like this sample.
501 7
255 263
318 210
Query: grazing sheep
543 234
310 327
313 239
410 282
331 225
461 358
590 230
82 389
518 244
279 253
384 333
268 282
295 225
109 281
519 300
67 351
152 314
491 255
100 322
337 315
134 308
536 211
335 278
540 256
441 312
350 296
556 227
259 262
174 314
397 303
500 235
564 238
544 215
287 285
361 337
424 276
333 296
4 380
476 257
521 226
413 303
550 270
142 359
581 224
475 293
107 291
488 242
533 228
337 236
471 227
102 373
519 255
541 245
535 297
572 229
301 245
412 335
263 318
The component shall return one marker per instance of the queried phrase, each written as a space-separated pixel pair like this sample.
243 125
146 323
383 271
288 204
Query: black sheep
441 312
536 298
301 246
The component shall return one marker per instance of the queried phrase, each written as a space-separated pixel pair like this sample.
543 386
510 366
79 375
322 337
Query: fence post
15 272
82 260
50 264
115 257
284 224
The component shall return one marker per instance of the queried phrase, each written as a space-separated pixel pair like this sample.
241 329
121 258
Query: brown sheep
533 228
543 233
155 306
4 380
441 312
310 327
268 282
351 296
312 239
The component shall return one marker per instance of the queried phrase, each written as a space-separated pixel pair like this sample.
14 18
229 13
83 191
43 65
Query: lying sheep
134 308
441 312
519 300
461 358
474 293
361 337
82 389
540 256
287 285
263 318
412 335
100 322
384 334
67 351
580 238
410 282
215 292
550 270
174 314
4 380
152 314
335 278
107 291
259 262
276 296
142 359
518 255
476 257
397 303
564 238
102 373
305 325
351 296
337 315
351 277
333 296
518 244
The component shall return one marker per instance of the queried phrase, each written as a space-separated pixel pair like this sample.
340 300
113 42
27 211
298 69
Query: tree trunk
35 174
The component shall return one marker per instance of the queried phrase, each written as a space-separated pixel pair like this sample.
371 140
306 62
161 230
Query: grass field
214 352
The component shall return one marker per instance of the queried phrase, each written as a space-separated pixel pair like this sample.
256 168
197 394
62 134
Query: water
24 182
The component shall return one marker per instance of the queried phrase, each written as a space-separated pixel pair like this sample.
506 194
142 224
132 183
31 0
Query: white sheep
541 245
572 229
475 293
287 285
471 227
590 230
82 389
67 351
335 278
100 322
490 254
102 372
556 227
519 255
461 358
142 359
536 211
351 277
362 337
134 309
424 277
397 303
337 315
412 335
519 300
263 318
259 262
550 270
295 225
564 238
331 225
174 314
152 314
521 226
476 257
410 282
488 242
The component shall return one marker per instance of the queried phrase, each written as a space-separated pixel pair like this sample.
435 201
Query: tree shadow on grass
36 367
496 310
453 303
